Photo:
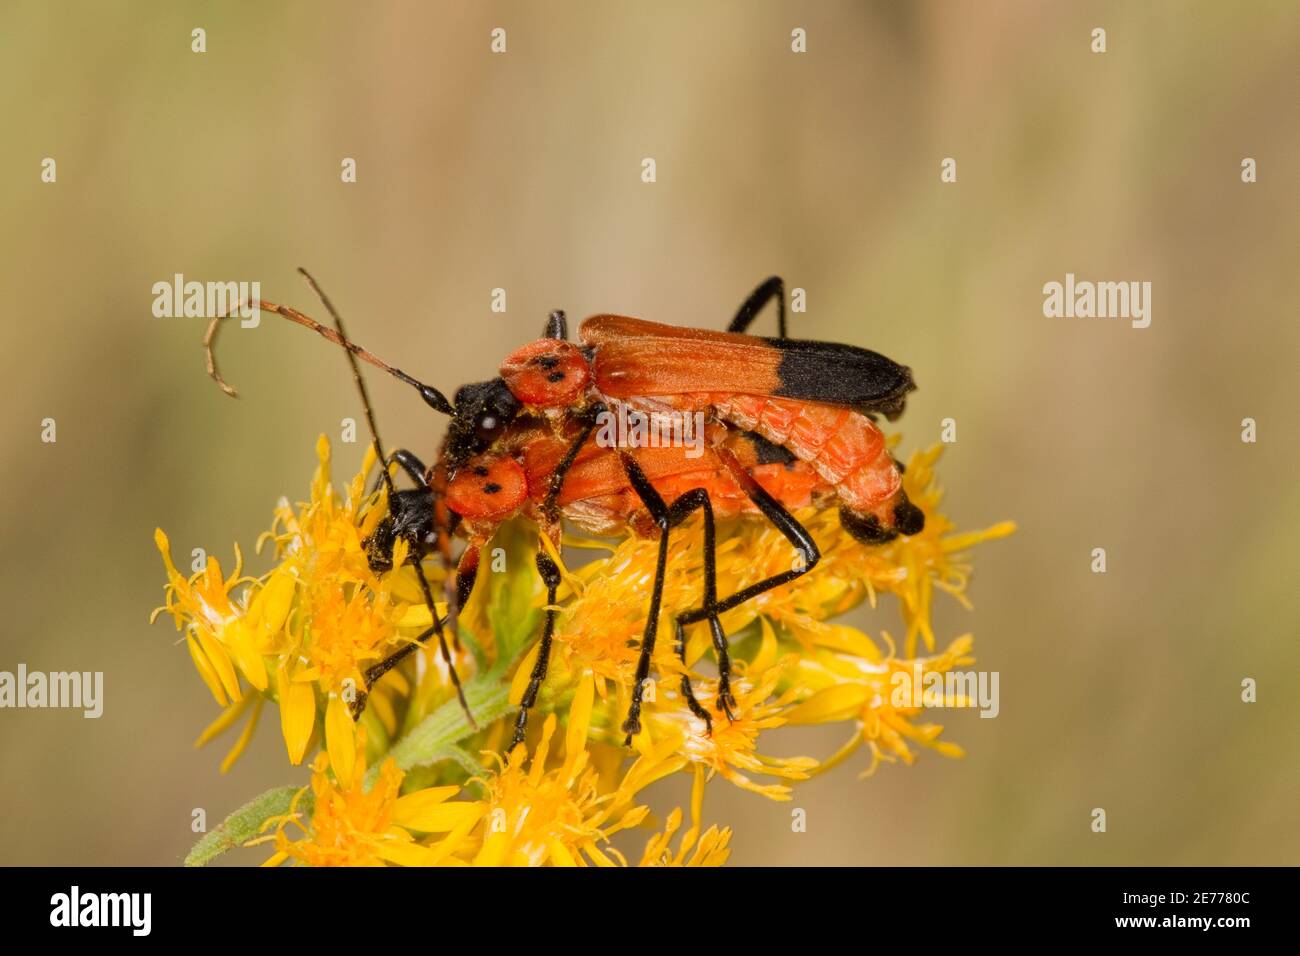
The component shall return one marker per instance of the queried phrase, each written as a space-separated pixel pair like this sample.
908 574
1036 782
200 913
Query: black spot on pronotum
480 471
547 362
491 488
555 377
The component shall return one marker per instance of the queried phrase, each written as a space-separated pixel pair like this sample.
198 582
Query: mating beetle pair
790 423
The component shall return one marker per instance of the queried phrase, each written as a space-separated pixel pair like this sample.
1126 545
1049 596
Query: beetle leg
383 667
793 531
773 288
550 575
557 326
546 567
555 484
683 506
466 571
410 464
666 518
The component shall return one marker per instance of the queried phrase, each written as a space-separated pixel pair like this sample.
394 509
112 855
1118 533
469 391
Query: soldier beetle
789 422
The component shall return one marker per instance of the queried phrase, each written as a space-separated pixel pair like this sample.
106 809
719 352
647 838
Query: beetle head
548 373
488 486
484 410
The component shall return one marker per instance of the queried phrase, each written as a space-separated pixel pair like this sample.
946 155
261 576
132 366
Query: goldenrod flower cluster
414 783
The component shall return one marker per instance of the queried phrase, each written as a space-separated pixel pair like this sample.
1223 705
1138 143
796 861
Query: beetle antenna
432 397
351 352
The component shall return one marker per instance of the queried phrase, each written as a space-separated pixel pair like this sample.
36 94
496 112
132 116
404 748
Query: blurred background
523 171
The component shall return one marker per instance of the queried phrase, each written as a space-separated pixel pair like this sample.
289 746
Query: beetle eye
486 428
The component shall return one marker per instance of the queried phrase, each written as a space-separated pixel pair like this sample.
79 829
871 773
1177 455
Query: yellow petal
323 454
206 670
224 721
425 810
409 807
559 853
838 702
242 743
297 715
840 637
847 750
240 643
494 849
220 661
165 548
271 604
340 740
522 673
599 858
767 650
575 740
404 853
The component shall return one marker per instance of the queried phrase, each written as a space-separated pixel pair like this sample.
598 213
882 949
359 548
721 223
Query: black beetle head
484 410
410 516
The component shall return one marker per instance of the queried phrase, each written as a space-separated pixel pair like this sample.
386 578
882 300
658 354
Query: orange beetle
786 422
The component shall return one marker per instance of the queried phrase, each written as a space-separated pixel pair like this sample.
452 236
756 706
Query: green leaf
512 614
246 823
433 738
465 760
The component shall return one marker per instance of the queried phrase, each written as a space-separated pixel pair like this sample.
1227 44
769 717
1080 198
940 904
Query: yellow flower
559 816
536 811
865 692
353 826
305 632
731 749
603 620
712 848
912 567
202 608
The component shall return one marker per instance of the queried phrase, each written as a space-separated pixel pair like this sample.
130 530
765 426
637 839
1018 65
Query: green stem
246 823
431 739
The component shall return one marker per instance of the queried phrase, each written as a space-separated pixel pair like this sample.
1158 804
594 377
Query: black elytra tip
908 518
839 374
865 528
